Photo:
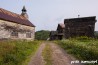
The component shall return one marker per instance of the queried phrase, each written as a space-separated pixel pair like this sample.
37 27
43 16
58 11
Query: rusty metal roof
15 18
81 19
62 25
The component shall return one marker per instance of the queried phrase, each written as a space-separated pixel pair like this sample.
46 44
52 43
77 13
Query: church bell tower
24 12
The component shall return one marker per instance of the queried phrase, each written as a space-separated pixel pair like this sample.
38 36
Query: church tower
24 12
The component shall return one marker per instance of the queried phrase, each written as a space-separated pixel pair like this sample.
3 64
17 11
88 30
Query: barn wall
74 28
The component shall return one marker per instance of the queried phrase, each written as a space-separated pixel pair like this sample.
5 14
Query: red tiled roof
13 17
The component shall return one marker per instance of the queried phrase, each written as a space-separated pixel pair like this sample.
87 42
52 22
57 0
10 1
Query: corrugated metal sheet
62 25
81 19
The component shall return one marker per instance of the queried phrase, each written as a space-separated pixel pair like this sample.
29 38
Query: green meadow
17 52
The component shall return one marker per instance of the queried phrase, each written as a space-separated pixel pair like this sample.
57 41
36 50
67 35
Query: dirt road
37 59
59 56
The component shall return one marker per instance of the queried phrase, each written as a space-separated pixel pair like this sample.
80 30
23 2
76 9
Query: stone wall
22 30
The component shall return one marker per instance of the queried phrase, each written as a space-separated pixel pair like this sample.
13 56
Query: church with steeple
16 26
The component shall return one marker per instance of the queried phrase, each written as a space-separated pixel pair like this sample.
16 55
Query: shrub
83 50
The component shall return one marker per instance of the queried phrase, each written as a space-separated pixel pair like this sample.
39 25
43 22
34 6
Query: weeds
47 55
83 49
16 52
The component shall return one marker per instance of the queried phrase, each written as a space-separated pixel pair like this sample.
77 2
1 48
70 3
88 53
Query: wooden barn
83 26
16 26
60 31
53 35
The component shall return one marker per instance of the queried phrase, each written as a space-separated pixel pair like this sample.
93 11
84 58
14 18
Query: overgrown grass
47 53
16 52
82 48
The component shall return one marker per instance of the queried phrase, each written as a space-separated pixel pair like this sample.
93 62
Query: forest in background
42 35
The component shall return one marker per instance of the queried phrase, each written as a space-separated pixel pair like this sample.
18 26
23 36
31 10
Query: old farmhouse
15 26
60 31
76 27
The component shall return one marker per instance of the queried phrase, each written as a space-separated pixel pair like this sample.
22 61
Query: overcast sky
46 14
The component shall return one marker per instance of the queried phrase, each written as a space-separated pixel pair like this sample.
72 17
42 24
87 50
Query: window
28 35
14 34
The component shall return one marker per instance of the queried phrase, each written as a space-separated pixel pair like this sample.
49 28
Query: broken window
14 34
28 35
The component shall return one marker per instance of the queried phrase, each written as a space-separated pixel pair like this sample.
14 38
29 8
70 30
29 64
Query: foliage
81 48
96 34
82 38
42 35
16 52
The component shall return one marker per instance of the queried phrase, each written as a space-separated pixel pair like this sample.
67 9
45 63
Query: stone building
83 26
60 31
16 26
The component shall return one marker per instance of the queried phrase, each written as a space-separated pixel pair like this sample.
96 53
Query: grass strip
47 53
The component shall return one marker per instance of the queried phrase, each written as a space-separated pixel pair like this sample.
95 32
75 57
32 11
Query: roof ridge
13 14
81 17
14 17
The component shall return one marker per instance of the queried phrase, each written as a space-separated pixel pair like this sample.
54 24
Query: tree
42 35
